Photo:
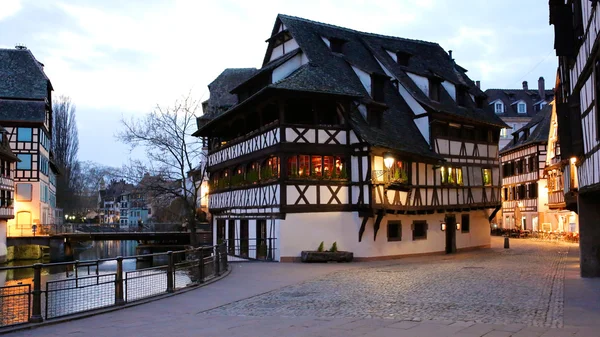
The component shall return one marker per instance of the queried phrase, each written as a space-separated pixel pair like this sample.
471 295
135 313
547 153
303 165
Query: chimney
542 88
525 87
478 84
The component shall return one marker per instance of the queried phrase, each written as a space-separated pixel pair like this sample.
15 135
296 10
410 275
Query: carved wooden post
170 272
36 314
119 300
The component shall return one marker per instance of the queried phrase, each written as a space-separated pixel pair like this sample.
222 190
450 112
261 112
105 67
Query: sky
118 59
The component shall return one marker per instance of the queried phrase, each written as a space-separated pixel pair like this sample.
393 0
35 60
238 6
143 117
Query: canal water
87 298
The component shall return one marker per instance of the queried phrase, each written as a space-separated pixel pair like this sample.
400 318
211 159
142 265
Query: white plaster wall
277 52
286 68
450 88
2 241
34 207
421 82
326 40
542 205
305 231
290 45
393 55
364 78
423 126
412 103
479 232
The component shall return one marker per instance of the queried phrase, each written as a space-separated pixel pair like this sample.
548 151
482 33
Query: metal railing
86 287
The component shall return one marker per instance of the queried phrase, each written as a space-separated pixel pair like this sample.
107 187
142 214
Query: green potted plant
322 255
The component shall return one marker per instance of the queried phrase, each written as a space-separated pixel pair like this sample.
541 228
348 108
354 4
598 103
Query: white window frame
519 105
498 107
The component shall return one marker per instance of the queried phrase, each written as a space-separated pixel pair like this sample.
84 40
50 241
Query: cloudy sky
118 58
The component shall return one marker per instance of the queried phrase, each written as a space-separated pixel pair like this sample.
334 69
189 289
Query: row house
561 211
524 197
123 204
516 107
576 25
341 133
26 115
7 190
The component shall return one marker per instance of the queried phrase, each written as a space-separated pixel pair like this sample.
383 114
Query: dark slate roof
22 111
21 75
541 121
511 96
332 73
5 150
220 99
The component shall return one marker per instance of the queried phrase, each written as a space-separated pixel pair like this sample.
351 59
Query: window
521 108
336 45
24 135
503 133
454 130
374 117
434 89
468 132
419 230
403 58
24 192
451 175
487 176
461 96
25 163
377 83
394 231
312 167
465 225
498 108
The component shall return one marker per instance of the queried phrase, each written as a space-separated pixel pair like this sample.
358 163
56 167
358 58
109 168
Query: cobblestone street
522 285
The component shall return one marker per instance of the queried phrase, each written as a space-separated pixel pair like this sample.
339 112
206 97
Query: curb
29 326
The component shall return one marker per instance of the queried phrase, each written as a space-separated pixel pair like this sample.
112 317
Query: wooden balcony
7 183
7 212
556 199
264 137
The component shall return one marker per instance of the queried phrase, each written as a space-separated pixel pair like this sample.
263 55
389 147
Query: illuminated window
451 175
487 177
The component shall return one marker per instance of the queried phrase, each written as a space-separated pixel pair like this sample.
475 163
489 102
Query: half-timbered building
7 190
576 25
379 143
26 114
561 213
522 161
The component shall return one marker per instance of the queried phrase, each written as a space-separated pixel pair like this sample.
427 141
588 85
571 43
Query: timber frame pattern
361 142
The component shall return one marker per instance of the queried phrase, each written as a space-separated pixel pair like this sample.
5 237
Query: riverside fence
86 287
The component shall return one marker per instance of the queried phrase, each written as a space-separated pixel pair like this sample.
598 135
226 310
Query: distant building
516 107
26 114
7 190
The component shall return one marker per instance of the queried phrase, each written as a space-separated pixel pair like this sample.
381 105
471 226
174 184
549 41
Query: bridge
60 237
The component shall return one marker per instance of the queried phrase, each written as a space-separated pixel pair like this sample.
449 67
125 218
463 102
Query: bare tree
172 155
65 145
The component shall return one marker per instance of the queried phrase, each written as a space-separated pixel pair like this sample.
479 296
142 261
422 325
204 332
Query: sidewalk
190 314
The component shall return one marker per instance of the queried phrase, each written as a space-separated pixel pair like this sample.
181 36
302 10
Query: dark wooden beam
376 225
362 228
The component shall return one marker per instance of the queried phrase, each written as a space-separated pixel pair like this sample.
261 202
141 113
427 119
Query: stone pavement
529 290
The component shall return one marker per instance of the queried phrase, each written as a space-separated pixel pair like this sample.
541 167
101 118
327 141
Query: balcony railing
7 183
556 198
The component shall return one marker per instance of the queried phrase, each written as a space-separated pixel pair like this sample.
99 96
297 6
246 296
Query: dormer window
336 45
461 96
498 107
377 83
434 89
521 108
403 58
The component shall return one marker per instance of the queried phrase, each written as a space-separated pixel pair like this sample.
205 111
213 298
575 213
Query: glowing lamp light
573 160
457 226
443 226
388 160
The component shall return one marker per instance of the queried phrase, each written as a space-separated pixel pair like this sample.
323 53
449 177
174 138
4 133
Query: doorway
450 234
220 231
244 238
261 239
231 236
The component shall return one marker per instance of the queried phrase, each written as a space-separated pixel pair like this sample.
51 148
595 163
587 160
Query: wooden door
450 234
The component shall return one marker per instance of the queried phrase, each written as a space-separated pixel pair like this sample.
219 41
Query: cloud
9 8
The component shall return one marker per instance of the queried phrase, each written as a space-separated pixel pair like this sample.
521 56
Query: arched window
252 173
237 176
270 169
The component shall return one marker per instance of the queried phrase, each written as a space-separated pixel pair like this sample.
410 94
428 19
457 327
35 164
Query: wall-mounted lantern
457 226
388 160
443 226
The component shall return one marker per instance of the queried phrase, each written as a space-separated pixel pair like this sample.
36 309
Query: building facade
123 204
26 114
7 190
562 216
576 41
380 144
523 159
516 107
